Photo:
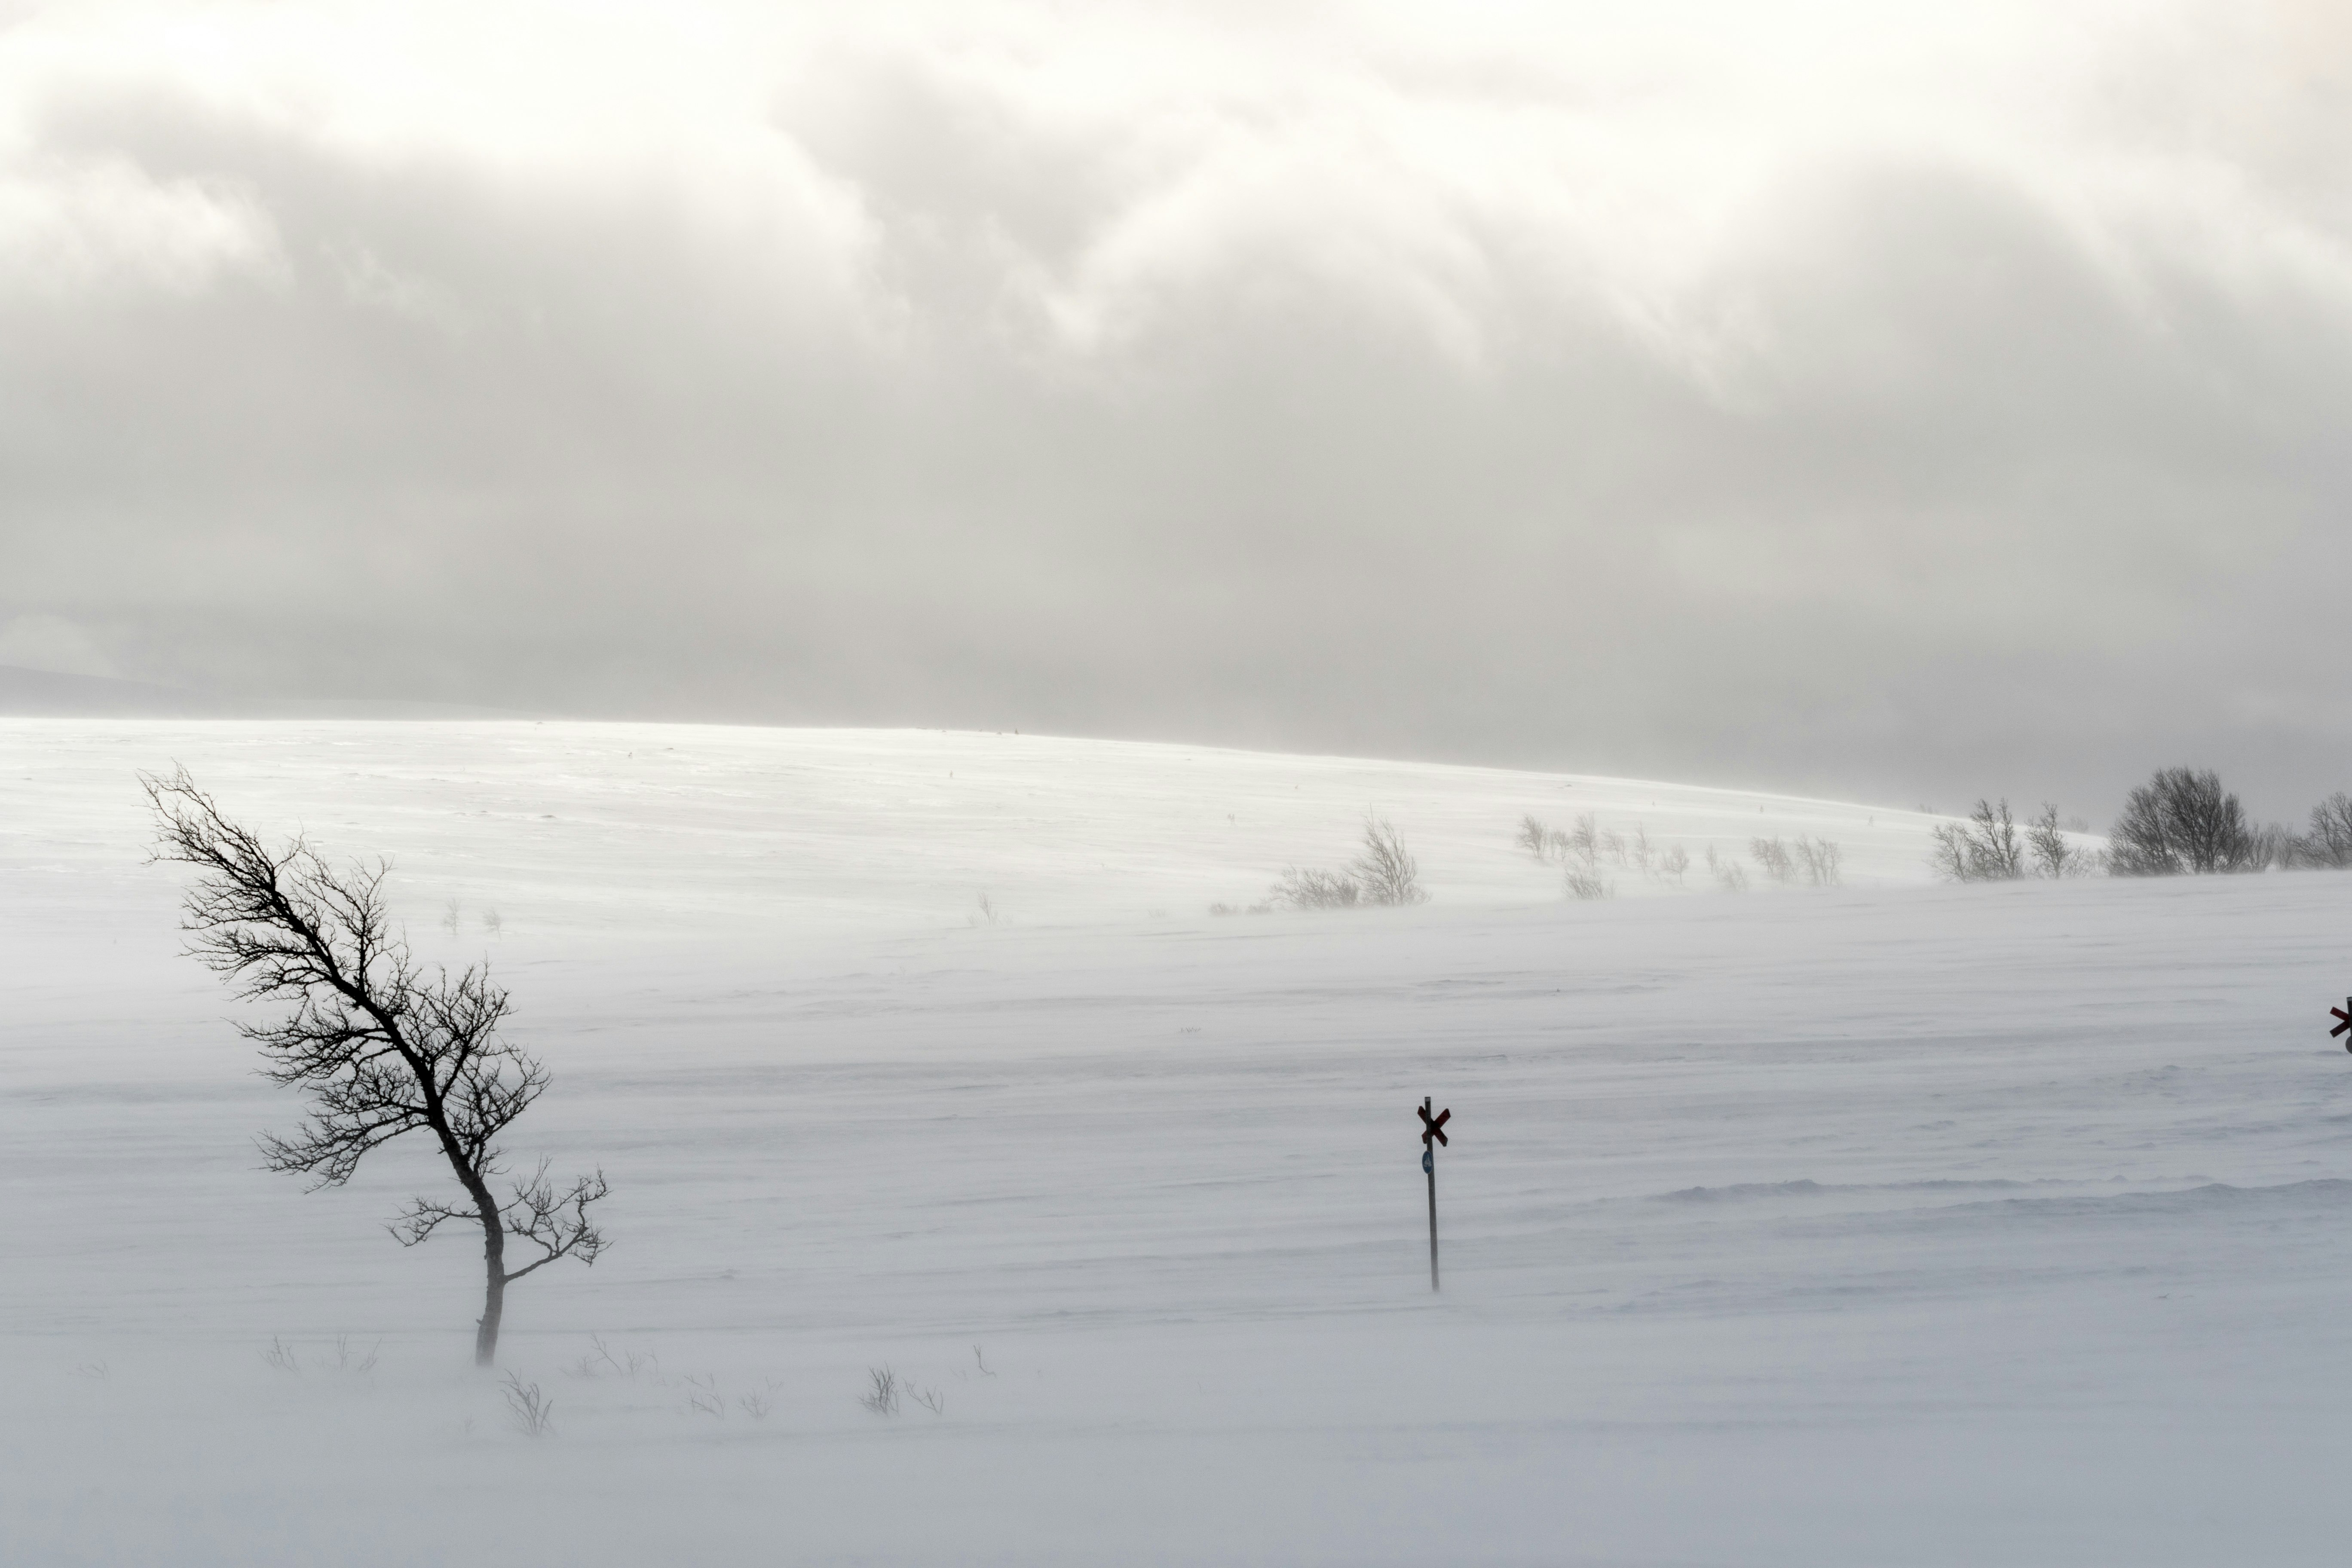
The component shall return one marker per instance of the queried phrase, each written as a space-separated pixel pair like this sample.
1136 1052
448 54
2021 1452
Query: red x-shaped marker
1432 1128
2343 1023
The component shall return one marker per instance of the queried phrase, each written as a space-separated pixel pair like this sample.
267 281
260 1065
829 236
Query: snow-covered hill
1891 1223
652 828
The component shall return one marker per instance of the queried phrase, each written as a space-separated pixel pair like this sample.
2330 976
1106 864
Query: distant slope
670 830
27 692
42 693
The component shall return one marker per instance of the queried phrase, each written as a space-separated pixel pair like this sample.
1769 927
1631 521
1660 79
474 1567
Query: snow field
1877 1225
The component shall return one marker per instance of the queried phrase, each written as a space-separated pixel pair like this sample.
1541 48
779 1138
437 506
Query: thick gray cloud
1881 402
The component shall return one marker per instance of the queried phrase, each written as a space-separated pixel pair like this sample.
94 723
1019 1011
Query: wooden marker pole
1431 1127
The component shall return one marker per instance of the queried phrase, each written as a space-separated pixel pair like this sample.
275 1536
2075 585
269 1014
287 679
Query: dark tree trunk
494 1298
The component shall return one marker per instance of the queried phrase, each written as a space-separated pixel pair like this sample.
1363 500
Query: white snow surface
1890 1223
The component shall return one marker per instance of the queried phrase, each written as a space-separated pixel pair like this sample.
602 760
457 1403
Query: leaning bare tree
380 1047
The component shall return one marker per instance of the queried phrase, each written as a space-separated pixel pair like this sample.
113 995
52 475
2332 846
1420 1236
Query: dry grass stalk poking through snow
532 1412
881 1396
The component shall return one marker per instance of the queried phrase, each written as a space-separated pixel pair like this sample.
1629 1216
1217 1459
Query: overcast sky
1895 402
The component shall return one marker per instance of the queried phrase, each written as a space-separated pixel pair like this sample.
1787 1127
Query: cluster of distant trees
1579 852
2180 823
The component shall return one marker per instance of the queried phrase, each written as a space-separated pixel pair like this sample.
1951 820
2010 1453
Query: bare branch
557 1224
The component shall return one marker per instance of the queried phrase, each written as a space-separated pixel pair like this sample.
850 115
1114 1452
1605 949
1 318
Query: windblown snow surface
1884 1224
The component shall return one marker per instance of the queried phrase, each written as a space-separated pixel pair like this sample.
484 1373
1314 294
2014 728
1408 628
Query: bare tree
2052 856
1950 855
2273 844
1988 849
378 1046
2329 842
1386 870
1534 837
2181 821
1823 860
1998 853
1774 857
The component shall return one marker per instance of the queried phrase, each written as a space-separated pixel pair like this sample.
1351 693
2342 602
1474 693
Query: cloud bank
1873 399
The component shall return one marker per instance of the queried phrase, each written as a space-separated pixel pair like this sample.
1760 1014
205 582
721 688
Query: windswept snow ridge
646 828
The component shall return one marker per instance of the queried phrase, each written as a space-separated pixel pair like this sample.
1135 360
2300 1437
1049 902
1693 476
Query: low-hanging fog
1900 402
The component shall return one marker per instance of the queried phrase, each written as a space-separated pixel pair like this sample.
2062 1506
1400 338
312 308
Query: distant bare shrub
451 918
1534 837
2329 842
2052 856
1584 840
2272 846
2001 857
881 1396
2181 822
1614 846
1948 851
1638 846
1821 860
1584 884
1385 874
1774 858
281 1355
1304 887
1386 870
1987 849
1224 909
1732 876
1675 862
492 923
